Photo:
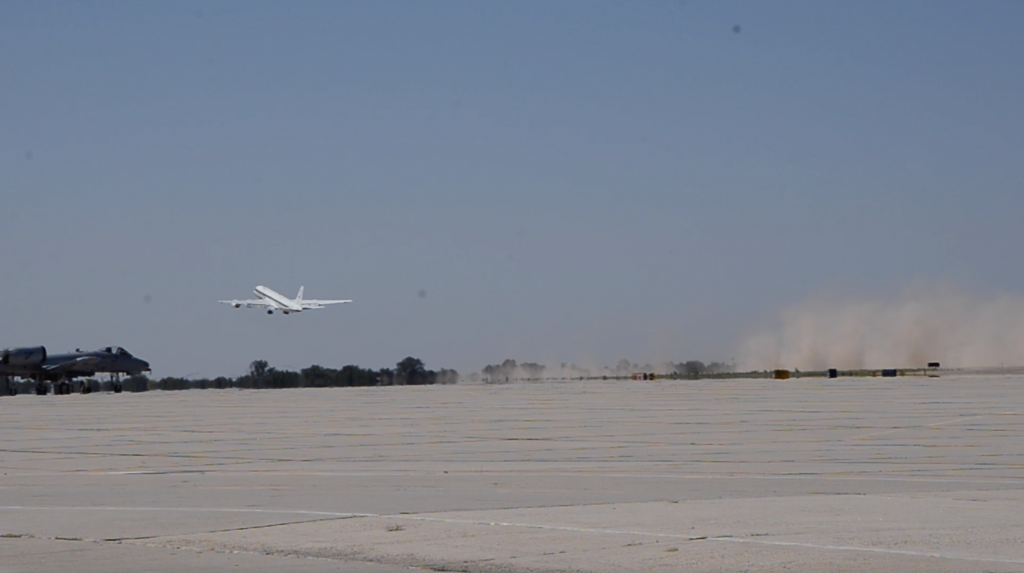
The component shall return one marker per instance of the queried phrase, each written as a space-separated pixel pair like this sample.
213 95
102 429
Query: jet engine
33 356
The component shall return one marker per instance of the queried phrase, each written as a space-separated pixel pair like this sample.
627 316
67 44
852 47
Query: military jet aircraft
61 369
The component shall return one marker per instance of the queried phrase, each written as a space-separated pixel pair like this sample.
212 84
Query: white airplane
273 300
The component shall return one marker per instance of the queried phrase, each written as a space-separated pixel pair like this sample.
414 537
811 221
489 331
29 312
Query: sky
573 181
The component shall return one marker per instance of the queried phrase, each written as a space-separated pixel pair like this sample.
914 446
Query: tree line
510 370
408 372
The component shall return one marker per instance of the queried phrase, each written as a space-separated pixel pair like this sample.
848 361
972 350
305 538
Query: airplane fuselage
73 364
279 300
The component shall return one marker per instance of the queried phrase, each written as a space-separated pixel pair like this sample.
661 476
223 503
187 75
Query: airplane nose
143 365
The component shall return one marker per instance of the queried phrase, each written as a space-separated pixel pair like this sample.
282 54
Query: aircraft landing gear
5 382
42 389
115 382
63 388
86 388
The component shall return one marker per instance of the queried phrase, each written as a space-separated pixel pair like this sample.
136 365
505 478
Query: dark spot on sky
737 29
147 298
422 293
28 154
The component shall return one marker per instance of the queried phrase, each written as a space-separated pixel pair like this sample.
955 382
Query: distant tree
258 369
532 369
318 377
510 369
282 379
691 367
410 371
492 373
173 383
137 383
352 375
719 367
447 376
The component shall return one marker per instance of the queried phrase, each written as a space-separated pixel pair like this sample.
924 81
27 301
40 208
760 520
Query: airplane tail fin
299 296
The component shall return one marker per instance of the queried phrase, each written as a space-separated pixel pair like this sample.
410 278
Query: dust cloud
920 325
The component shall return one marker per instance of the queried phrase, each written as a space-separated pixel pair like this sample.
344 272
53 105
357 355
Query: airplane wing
248 303
76 364
313 303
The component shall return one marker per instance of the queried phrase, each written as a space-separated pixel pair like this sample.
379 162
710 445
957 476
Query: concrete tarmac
809 475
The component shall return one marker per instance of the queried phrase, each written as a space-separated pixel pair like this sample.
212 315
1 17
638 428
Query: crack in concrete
230 529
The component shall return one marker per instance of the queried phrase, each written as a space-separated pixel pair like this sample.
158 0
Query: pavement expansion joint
873 550
235 529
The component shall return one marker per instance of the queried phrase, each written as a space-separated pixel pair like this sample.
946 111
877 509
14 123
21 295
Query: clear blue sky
567 181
